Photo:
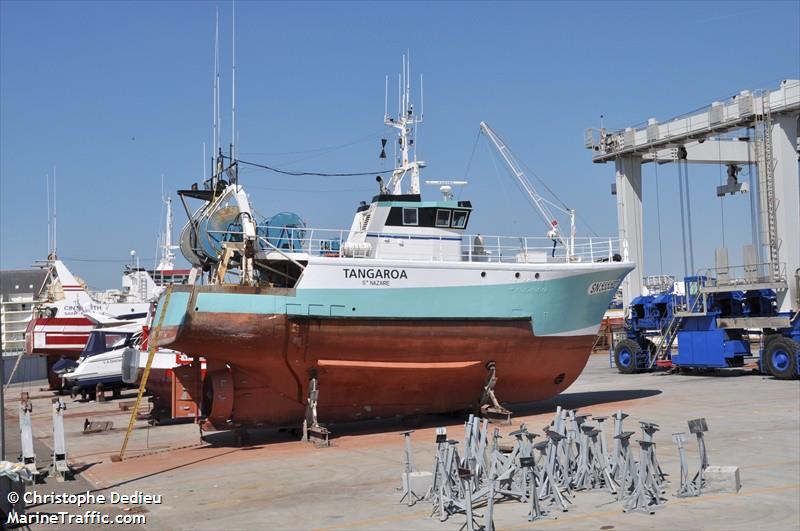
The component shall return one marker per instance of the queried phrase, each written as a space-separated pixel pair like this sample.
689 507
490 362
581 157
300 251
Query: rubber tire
775 358
626 353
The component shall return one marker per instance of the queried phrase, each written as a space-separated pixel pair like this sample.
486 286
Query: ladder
152 347
671 332
766 169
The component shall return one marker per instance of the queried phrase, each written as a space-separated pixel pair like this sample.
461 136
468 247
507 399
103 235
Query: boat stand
687 488
313 431
409 467
26 434
529 465
699 427
59 468
617 452
489 407
626 470
648 430
646 496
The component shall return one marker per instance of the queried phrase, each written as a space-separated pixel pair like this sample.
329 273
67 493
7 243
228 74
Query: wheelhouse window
459 219
443 217
410 216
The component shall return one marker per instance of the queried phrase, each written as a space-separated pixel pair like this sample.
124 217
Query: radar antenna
405 124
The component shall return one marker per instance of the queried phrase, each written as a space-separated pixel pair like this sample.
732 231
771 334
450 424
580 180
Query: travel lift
724 305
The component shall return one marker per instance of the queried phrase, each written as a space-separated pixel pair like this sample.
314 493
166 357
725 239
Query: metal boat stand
646 496
604 460
26 434
489 407
699 427
59 468
626 472
528 464
465 475
648 430
550 487
439 470
408 467
617 453
446 496
687 488
313 431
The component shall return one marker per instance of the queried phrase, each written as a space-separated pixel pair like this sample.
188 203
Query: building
20 291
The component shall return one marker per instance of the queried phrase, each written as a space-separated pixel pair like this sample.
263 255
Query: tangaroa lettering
373 273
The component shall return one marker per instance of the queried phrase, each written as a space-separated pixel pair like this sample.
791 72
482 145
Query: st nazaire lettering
372 273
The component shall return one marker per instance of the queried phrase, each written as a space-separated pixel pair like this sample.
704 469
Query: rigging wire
562 206
753 178
492 157
683 218
721 203
102 260
472 155
360 140
688 215
305 173
658 218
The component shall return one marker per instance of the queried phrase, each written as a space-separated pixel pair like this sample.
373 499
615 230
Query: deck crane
540 203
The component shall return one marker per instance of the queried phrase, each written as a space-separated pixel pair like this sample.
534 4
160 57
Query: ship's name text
602 287
371 273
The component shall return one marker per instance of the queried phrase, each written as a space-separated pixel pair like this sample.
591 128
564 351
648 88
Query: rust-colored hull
369 368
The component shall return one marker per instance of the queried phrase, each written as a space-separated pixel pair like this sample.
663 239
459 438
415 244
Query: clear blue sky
115 94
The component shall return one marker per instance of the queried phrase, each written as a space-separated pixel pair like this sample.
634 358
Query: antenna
49 228
55 214
233 82
386 99
405 124
214 84
421 99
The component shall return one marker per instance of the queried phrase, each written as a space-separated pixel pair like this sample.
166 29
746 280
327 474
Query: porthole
516 275
354 308
483 274
536 276
559 378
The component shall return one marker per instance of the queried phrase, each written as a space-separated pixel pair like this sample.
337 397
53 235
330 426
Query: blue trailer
713 324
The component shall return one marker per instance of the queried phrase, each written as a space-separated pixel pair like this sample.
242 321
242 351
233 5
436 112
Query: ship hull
416 341
370 368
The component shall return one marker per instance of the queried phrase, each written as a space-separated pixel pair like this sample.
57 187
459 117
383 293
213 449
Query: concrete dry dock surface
280 483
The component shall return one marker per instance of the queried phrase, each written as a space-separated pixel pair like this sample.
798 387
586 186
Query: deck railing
472 247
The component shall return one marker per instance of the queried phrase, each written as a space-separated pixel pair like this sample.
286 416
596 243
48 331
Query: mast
55 216
404 123
49 226
233 83
167 255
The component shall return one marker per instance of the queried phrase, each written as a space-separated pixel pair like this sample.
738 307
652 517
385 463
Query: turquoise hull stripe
555 306
176 309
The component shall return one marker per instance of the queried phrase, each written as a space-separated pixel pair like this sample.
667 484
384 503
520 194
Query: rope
306 173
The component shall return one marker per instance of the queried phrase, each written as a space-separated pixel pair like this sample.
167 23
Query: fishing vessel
405 313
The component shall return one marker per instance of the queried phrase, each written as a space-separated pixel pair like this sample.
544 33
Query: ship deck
280 483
